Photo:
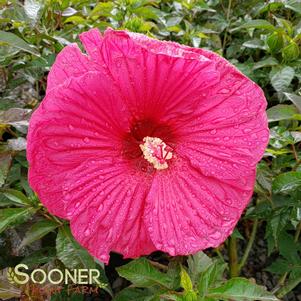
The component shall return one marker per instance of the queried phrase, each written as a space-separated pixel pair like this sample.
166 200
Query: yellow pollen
156 152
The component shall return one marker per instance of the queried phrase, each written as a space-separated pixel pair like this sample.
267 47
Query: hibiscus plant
155 144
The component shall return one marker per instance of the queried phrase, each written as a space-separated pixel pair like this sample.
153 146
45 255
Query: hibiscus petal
105 204
156 83
229 138
70 62
83 118
187 212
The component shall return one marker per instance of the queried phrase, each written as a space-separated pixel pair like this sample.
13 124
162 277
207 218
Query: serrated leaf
241 289
277 223
211 276
279 266
142 274
281 112
288 248
14 41
282 79
197 264
70 252
10 217
38 230
287 182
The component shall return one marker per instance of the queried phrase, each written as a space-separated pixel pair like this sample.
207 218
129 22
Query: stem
158 265
233 258
226 29
249 246
288 287
295 153
219 254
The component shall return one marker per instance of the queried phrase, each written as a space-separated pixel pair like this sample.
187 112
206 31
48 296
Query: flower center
156 152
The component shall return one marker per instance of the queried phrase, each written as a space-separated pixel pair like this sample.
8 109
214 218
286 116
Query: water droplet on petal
171 251
86 140
103 258
247 130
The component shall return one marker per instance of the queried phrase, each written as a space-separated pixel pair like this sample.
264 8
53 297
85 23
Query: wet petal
83 118
70 62
227 139
187 212
161 84
105 203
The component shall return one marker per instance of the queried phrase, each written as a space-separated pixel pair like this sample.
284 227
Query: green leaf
275 41
277 222
14 41
40 256
148 12
280 266
16 196
10 217
142 274
281 112
134 294
70 252
288 248
75 19
282 79
255 44
287 182
211 276
37 231
290 52
237 234
295 99
241 289
268 62
197 264
102 9
186 283
258 24
32 9
173 21
294 5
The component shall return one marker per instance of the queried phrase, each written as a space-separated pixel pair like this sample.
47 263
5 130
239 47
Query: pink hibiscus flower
146 145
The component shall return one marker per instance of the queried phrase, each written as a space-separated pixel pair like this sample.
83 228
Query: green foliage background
262 38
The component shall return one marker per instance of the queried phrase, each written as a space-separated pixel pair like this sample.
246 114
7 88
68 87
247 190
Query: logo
18 275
